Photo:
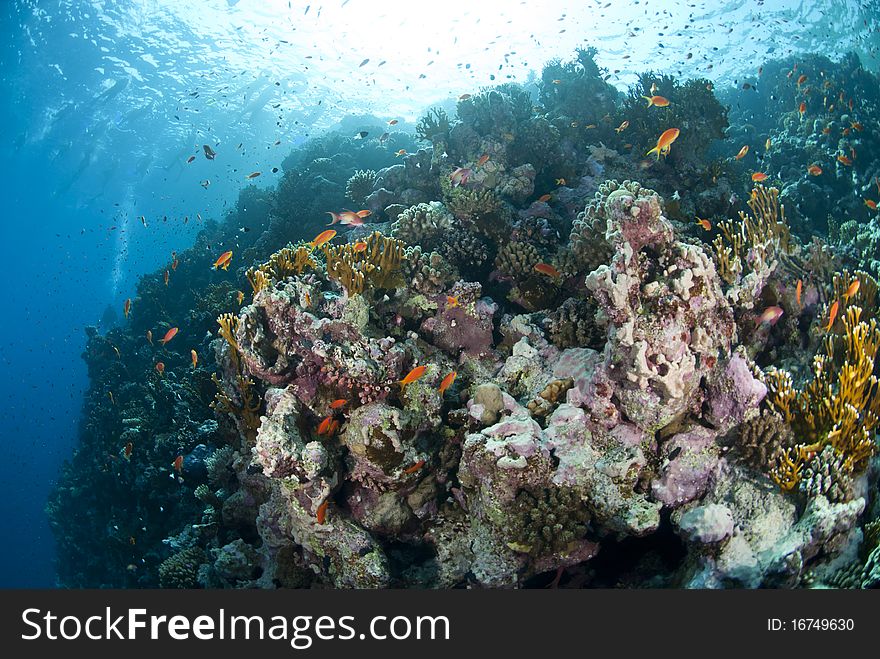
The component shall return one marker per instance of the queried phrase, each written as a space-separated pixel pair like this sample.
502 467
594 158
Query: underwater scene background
403 294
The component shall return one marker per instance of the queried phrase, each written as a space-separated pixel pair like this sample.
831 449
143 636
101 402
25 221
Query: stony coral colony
516 360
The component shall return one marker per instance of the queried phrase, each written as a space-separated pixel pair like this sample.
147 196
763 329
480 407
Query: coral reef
519 362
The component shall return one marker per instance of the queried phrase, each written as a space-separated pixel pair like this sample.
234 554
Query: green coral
547 521
181 570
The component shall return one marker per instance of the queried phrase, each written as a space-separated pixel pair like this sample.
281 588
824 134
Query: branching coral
860 241
427 273
283 263
182 569
434 123
756 240
247 408
464 249
762 439
588 247
827 474
423 224
864 297
839 407
378 265
517 259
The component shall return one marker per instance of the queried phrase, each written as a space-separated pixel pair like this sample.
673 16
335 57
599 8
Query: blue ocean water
101 106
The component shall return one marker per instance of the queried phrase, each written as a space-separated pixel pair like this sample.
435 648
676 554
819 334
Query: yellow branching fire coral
756 239
850 289
377 265
839 406
283 263
248 409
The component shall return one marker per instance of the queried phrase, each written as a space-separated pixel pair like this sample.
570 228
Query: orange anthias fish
413 375
460 176
178 464
664 142
360 246
166 277
770 315
814 170
223 260
856 125
798 292
402 152
170 334
483 160
392 122
322 238
411 470
832 315
657 101
622 127
870 203
364 213
239 296
195 358
742 153
253 175
160 368
325 425
547 269
339 402
452 301
802 108
346 217
802 79
150 337
758 177
843 160
544 198
126 308
321 513
706 224
852 290
126 453
447 382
